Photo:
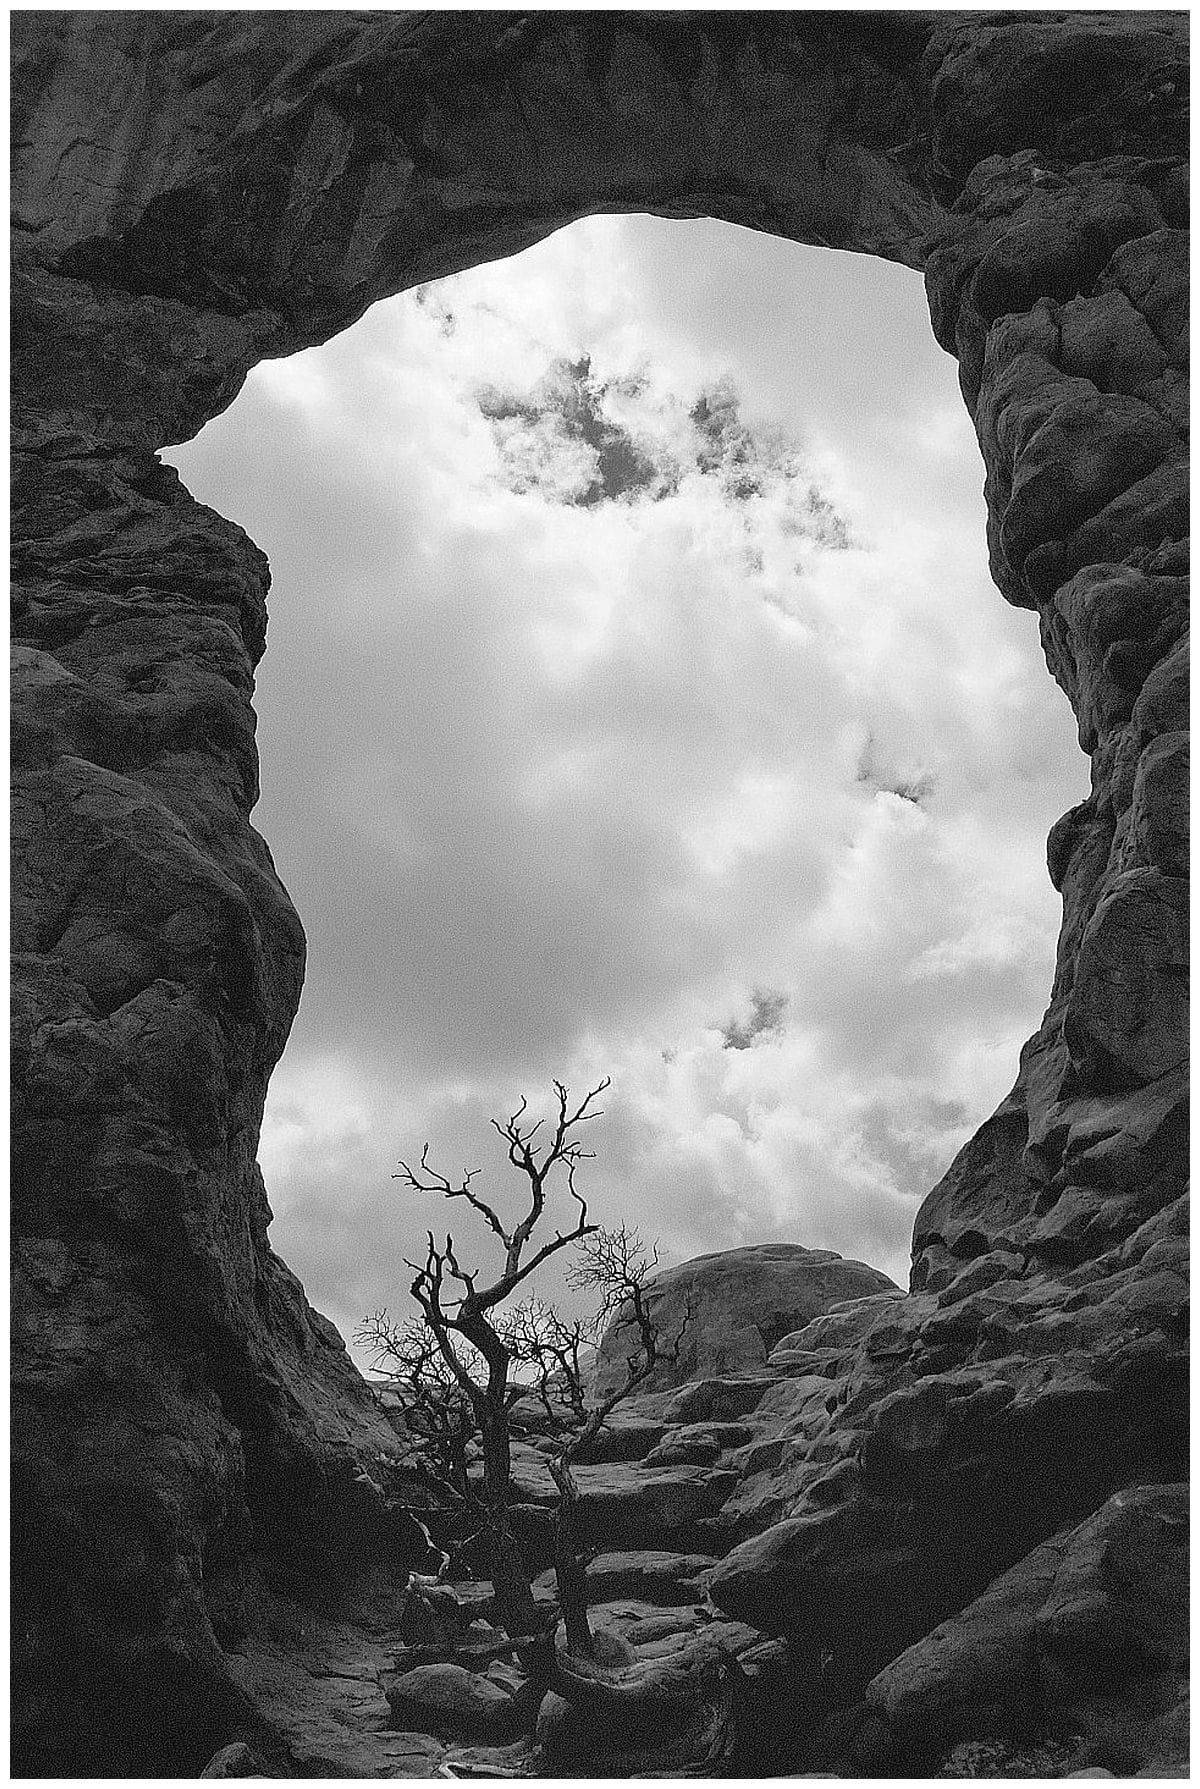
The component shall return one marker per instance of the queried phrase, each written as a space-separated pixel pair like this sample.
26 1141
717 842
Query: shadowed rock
195 191
447 1699
1065 1634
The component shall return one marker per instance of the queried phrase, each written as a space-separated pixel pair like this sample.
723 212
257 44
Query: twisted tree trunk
516 1609
570 1567
704 1667
676 1713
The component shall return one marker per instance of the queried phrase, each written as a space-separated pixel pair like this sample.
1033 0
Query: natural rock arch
195 191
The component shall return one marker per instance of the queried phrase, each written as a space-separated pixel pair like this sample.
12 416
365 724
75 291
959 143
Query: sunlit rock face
194 191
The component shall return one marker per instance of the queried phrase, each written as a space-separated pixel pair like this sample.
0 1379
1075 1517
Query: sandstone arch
194 191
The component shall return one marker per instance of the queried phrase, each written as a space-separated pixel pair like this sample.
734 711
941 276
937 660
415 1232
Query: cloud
561 441
909 782
766 1018
580 438
637 703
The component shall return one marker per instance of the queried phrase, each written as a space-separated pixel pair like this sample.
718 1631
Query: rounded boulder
448 1700
741 1303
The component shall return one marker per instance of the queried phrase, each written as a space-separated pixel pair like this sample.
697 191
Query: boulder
449 1700
1126 1022
742 1302
833 1332
698 1444
1089 1634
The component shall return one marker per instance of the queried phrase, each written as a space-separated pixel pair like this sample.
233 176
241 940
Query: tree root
680 1709
700 1670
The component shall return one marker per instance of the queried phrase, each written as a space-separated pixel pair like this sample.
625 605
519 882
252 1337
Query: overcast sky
637 703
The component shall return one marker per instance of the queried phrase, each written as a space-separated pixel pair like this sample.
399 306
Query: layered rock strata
193 191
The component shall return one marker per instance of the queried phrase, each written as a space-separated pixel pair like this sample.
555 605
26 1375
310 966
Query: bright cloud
637 703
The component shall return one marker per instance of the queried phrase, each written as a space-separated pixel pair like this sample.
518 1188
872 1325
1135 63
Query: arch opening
637 701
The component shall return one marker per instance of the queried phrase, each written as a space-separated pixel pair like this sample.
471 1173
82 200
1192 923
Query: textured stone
622 1438
698 1443
657 1508
652 1576
1158 823
713 1401
194 191
1058 1638
1126 1022
317 1680
447 1700
742 1302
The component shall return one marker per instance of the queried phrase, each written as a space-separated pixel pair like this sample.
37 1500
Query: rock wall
194 191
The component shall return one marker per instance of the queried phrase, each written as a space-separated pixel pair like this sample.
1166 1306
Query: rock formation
730 1310
193 191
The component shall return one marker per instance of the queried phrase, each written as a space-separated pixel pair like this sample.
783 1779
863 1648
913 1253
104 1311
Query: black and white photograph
599 904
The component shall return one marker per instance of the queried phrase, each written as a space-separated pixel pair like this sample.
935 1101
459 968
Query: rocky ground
699 1501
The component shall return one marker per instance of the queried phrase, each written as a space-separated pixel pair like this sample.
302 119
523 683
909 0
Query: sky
637 704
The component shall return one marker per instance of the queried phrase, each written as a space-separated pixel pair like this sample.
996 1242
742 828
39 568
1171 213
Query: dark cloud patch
815 517
622 468
566 412
750 463
766 1018
724 442
583 439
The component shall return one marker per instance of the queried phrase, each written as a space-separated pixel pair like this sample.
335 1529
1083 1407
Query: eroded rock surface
924 1457
1087 1611
729 1310
193 191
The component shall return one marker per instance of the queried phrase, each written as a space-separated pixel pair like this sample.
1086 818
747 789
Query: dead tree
467 1326
616 1265
430 1472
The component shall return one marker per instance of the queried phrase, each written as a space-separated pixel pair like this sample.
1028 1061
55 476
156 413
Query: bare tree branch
429 1180
478 1360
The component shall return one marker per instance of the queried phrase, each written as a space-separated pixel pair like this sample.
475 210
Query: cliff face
194 191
